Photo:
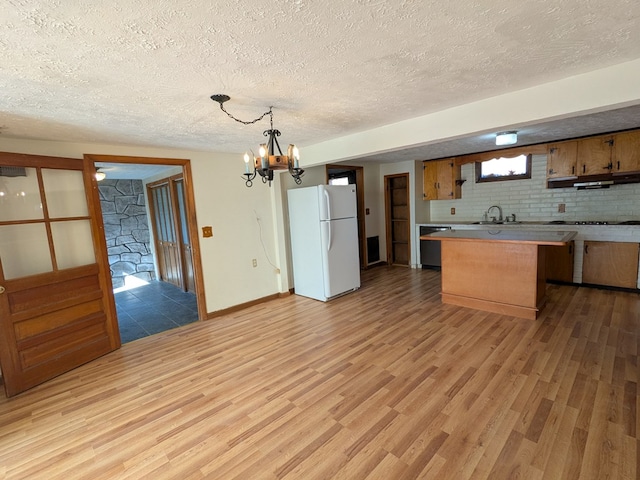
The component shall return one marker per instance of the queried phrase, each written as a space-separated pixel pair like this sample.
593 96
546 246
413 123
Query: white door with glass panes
56 305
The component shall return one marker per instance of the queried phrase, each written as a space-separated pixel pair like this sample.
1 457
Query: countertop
510 235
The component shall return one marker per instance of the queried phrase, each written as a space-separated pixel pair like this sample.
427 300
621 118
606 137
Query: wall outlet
207 232
255 262
453 210
561 207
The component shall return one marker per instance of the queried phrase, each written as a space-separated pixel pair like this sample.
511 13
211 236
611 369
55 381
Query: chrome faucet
499 219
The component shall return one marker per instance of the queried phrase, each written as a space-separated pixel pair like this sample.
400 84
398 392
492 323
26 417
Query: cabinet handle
586 249
608 167
553 149
570 249
573 170
610 142
551 171
618 164
584 168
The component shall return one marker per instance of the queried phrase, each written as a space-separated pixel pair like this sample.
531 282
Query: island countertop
536 237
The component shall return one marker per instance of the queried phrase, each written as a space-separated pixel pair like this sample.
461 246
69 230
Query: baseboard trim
242 306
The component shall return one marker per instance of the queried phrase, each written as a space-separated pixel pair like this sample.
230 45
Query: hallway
153 308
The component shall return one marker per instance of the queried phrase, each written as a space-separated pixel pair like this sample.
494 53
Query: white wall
530 200
222 201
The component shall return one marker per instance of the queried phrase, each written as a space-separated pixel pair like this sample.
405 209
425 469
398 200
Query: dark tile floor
153 308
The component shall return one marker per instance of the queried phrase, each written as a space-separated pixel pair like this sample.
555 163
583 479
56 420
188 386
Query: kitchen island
497 270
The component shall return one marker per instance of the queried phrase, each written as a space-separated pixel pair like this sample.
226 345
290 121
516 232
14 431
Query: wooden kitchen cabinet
610 263
441 180
618 153
559 263
625 156
594 155
561 159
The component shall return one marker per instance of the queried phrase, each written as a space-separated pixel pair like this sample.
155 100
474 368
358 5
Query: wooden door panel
610 263
594 155
64 316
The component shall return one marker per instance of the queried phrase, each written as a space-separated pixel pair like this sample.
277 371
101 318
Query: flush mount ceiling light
506 138
268 160
100 175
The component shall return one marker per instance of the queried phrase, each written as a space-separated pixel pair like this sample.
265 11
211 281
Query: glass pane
19 194
73 243
183 214
505 166
24 250
64 190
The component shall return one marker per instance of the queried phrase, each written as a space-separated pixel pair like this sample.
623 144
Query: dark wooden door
397 219
186 253
56 303
171 232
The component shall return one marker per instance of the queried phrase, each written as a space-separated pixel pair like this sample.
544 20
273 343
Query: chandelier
270 157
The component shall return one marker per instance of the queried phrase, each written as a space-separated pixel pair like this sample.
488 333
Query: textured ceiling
141 73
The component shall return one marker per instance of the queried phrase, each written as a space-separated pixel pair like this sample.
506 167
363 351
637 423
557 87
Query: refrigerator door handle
328 202
329 242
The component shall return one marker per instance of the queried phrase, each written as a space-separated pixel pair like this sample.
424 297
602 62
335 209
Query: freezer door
340 256
337 201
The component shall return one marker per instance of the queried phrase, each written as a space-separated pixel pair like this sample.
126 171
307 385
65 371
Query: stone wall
126 229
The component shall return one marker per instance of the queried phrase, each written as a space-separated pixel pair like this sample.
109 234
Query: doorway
348 175
397 219
148 300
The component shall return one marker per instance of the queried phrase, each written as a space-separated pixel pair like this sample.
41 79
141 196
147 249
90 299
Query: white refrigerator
324 240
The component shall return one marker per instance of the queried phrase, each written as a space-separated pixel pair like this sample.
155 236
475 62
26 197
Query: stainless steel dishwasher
430 249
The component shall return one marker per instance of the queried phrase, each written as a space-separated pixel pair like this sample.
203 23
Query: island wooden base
506 278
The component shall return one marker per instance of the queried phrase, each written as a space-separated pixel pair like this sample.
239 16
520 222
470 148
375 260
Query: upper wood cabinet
617 153
594 155
441 180
602 154
625 156
561 159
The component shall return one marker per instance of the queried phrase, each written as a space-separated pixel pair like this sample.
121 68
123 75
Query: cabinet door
559 262
610 263
430 181
561 159
626 152
446 181
594 155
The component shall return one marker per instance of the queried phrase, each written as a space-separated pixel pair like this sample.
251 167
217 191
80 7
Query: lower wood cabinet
610 263
559 262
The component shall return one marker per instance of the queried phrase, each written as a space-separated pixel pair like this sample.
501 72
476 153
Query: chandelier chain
250 122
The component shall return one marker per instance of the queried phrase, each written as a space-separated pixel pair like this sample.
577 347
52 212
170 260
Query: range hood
594 181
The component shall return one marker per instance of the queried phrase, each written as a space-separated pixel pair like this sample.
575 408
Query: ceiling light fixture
268 160
507 138
100 175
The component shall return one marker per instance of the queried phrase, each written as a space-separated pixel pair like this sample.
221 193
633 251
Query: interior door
171 232
186 250
56 304
164 231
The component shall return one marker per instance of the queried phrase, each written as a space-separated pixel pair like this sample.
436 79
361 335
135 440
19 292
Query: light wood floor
385 383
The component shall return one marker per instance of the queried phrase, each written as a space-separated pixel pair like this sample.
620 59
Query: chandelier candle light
267 161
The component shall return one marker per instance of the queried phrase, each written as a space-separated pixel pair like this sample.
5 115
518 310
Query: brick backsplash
530 200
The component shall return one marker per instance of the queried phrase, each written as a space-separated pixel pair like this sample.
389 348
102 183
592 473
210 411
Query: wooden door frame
387 216
362 229
190 208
